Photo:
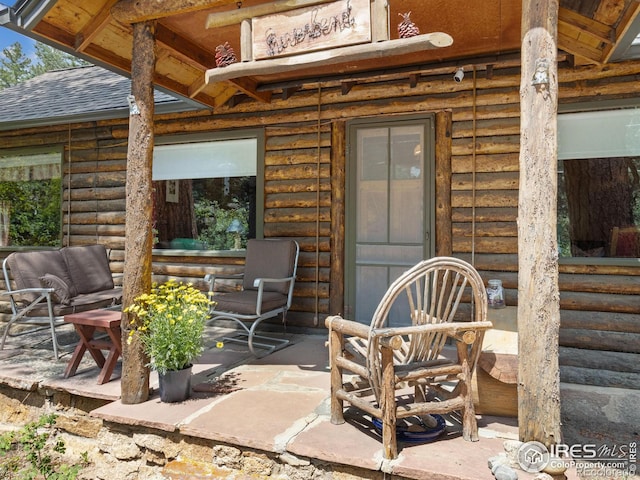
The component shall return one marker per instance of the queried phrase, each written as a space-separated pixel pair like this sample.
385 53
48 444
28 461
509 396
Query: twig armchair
438 300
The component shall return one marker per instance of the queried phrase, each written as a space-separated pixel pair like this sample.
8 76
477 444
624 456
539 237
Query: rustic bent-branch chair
267 290
437 300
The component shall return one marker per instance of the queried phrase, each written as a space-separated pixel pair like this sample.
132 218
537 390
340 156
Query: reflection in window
205 195
599 186
30 199
599 207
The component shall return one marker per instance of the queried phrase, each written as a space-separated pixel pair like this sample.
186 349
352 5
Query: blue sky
9 37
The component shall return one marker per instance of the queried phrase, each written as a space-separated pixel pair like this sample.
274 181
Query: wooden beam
249 86
288 91
353 53
135 11
586 26
380 20
246 45
575 47
538 291
347 86
623 26
337 238
190 52
94 27
444 175
139 208
233 17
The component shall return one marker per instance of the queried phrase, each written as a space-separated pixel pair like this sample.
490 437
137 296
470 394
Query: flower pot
175 385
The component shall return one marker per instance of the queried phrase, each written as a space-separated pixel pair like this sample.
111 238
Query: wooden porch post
538 293
139 212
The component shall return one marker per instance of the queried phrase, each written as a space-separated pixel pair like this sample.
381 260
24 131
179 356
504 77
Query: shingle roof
82 93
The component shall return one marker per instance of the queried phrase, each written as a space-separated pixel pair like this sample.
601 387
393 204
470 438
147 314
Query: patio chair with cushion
45 285
267 290
398 364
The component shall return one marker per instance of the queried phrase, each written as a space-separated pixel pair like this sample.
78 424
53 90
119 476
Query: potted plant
170 321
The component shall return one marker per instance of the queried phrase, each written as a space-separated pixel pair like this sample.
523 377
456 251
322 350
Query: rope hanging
473 173
318 153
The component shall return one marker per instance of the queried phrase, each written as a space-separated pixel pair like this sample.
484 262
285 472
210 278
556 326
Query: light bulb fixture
459 75
541 73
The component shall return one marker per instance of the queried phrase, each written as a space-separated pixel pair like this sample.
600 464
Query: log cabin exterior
306 126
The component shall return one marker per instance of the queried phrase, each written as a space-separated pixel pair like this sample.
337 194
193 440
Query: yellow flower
219 344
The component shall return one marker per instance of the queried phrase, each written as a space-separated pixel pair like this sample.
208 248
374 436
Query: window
30 199
599 184
205 192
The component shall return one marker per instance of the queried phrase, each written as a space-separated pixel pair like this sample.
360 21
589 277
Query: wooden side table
87 324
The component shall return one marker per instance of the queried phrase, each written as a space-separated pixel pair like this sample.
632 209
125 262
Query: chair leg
6 332
336 345
54 337
469 422
388 405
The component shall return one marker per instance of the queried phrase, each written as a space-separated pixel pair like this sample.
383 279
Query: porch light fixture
459 75
541 74
133 106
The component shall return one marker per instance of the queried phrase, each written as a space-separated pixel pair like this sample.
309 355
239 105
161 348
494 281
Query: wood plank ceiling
588 30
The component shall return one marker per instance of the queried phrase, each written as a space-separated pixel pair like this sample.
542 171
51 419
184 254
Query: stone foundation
126 452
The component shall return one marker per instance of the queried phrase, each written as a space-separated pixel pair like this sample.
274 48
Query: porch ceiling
590 30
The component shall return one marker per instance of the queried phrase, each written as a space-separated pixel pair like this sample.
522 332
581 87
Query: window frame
596 106
37 150
259 136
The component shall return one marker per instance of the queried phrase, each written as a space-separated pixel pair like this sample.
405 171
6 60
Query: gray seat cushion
81 303
245 302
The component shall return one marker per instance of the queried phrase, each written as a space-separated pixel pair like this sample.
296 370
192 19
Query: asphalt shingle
74 92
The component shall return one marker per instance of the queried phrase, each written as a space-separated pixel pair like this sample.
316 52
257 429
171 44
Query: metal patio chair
437 301
267 290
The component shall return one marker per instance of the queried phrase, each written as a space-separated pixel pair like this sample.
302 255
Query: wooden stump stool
87 324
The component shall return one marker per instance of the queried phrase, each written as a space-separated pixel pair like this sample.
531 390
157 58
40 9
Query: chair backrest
437 290
89 267
271 258
26 268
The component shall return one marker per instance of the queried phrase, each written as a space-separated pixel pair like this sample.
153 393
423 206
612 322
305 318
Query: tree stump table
87 324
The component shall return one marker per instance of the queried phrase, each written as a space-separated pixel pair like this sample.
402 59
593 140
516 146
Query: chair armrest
347 327
39 290
211 278
259 281
451 328
22 310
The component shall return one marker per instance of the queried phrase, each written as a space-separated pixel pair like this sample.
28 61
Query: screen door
389 211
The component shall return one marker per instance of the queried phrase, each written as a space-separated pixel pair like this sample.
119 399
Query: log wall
477 127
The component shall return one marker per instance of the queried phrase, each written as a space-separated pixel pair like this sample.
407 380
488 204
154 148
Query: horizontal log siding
599 304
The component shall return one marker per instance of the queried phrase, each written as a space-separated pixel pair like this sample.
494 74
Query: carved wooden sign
345 22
